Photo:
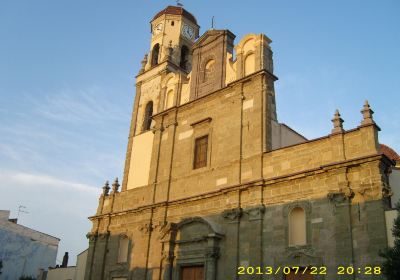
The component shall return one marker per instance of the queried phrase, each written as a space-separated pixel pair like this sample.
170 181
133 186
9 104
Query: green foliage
391 264
23 277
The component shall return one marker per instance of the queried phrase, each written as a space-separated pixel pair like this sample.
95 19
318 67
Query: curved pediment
209 226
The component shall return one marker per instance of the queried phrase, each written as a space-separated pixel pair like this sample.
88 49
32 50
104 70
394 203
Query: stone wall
234 212
61 273
338 234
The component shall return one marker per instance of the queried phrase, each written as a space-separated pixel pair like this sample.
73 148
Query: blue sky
67 73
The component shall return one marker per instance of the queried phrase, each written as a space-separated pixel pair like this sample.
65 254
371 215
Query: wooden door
299 276
192 273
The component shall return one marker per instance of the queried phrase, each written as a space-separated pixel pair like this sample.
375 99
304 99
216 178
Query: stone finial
367 114
115 186
106 188
143 62
337 123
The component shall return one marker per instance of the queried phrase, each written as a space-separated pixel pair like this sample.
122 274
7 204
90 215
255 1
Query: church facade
216 188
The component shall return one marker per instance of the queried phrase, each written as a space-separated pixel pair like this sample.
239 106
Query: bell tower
174 31
158 86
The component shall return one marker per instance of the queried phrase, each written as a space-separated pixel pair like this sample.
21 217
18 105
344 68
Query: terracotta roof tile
173 10
389 152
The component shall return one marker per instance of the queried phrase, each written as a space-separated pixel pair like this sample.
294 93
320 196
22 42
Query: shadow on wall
187 247
300 233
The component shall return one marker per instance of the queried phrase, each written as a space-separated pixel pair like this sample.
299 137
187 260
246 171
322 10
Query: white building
394 182
23 250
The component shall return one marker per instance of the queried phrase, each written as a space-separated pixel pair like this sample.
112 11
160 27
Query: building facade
394 180
65 272
23 250
216 188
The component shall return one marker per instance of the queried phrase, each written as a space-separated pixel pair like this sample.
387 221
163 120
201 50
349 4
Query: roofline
299 134
327 136
83 252
35 230
43 233
204 35
69 266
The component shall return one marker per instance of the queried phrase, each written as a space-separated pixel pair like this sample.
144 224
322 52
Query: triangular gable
209 36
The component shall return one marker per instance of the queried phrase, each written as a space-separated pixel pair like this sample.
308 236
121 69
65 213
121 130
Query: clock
188 32
158 29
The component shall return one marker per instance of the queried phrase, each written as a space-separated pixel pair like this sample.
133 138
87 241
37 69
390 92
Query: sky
67 76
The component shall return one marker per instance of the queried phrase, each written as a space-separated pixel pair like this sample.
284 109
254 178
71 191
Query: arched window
148 112
209 69
297 227
170 99
154 54
249 64
184 57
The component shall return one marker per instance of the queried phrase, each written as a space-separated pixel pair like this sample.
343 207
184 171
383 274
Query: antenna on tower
178 3
22 209
212 22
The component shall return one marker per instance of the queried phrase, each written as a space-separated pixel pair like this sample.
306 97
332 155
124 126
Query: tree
391 264
1 265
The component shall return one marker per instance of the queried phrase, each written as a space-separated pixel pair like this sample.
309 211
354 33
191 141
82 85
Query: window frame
147 119
184 57
169 92
246 71
291 224
306 206
155 55
195 152
120 239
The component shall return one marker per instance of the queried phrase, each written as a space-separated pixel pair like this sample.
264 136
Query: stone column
211 256
100 257
254 237
231 254
343 233
90 257
96 256
167 237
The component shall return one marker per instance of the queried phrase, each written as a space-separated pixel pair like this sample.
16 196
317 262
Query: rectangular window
200 152
123 250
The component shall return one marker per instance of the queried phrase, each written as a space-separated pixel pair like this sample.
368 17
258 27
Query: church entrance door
192 273
299 276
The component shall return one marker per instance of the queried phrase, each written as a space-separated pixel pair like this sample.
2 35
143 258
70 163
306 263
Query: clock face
158 29
188 31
